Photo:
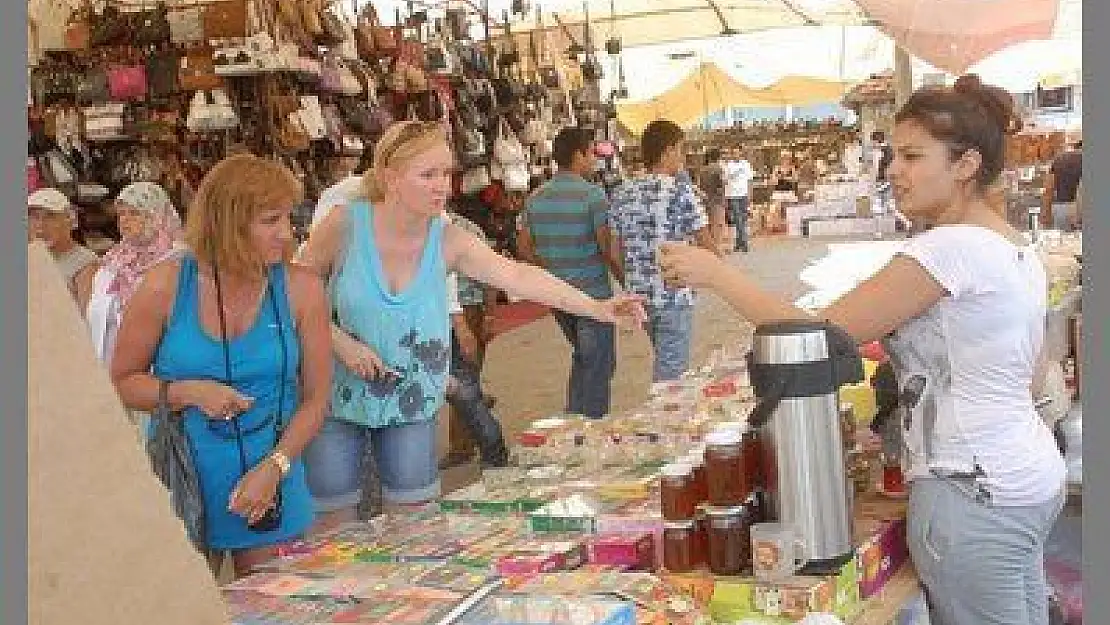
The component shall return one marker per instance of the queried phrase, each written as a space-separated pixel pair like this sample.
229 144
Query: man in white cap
52 219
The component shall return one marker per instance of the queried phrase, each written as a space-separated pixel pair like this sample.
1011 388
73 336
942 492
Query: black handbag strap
278 418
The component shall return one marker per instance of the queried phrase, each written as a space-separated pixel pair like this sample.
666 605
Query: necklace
237 306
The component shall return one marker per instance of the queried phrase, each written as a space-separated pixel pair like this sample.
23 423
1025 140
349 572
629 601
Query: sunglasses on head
413 130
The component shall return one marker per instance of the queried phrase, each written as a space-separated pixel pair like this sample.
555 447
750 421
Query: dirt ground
527 368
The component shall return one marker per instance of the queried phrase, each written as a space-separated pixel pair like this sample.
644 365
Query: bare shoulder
303 281
161 279
158 289
305 288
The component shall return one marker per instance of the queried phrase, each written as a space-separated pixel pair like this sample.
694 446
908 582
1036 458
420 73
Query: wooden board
104 546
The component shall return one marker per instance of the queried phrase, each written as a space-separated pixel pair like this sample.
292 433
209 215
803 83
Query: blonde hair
231 195
401 143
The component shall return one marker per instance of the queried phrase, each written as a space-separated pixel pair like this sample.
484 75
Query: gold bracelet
281 461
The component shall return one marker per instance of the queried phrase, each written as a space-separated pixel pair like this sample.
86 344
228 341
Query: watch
281 461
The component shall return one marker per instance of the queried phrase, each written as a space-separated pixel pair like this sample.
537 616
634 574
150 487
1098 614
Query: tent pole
903 76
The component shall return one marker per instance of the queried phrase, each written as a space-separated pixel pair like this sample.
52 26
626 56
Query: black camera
272 519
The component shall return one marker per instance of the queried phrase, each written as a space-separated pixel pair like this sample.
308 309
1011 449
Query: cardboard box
632 551
881 555
90 488
794 598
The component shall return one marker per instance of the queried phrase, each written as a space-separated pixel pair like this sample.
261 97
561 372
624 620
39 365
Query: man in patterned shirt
656 207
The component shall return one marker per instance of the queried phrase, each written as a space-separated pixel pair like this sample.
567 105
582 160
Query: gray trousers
980 564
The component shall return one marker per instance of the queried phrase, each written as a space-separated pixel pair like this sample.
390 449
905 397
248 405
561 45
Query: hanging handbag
104 122
197 72
291 17
161 73
171 458
152 26
349 83
458 24
427 105
127 82
591 69
329 75
291 134
333 126
78 34
92 87
385 39
348 48
226 19
186 24
310 19
475 179
111 27
312 117
470 145
332 31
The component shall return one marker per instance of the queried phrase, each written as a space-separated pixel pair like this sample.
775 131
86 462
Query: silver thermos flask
796 369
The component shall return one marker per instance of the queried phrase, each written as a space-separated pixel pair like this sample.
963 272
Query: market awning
710 89
650 22
953 35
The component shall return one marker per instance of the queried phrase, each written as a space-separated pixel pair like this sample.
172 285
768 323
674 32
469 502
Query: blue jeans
670 329
979 563
593 362
738 212
405 455
465 395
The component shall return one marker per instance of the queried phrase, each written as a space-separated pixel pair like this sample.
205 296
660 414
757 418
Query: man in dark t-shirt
886 154
1061 186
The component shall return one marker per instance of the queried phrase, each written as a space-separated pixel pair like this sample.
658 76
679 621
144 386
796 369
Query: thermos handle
765 409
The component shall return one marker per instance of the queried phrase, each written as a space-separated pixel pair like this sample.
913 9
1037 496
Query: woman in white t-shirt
150 230
962 311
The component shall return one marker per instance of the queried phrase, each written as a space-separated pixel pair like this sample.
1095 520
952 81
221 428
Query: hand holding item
215 400
253 496
359 358
625 310
687 265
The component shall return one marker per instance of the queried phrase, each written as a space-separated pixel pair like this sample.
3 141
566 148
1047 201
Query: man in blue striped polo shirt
564 230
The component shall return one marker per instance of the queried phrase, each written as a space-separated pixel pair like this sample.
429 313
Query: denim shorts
405 455
670 329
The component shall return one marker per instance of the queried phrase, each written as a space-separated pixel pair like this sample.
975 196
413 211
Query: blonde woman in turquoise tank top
386 256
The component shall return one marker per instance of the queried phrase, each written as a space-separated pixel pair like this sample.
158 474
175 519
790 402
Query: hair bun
995 101
967 84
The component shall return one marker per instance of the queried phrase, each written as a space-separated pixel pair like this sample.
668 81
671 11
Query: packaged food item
729 544
506 609
679 546
678 492
796 597
631 551
724 468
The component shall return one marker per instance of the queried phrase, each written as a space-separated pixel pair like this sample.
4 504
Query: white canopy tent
825 39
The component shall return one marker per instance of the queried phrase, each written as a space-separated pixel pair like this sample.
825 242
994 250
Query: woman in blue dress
238 342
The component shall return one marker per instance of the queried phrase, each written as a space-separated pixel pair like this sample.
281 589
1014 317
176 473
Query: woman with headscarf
151 232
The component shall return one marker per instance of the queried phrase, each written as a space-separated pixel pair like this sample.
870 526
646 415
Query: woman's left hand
688 265
624 310
253 496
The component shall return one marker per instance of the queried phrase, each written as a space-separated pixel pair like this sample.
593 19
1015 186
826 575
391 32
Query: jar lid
676 469
723 437
693 459
533 439
678 525
724 510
